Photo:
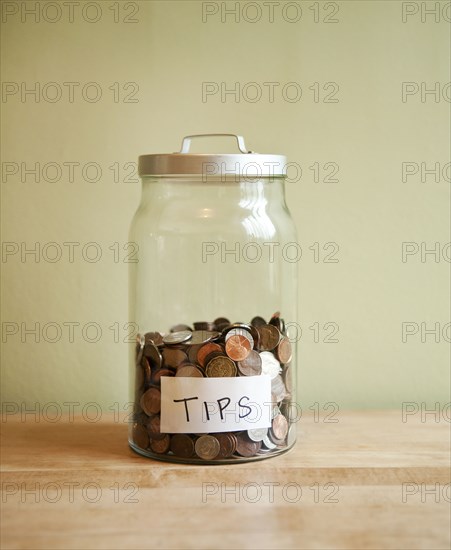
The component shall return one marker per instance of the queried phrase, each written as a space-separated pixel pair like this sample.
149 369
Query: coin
258 322
220 367
140 341
252 365
147 371
161 446
241 332
151 401
153 337
205 350
156 376
207 447
177 337
182 445
277 321
180 328
140 436
174 357
283 350
152 353
204 325
192 353
257 434
238 347
226 445
153 427
268 443
269 337
221 323
245 446
188 371
270 365
288 379
280 426
200 337
278 388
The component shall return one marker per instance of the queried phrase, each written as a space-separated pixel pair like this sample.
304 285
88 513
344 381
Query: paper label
211 405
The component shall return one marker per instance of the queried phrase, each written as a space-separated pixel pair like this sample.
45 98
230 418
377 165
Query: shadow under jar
213 293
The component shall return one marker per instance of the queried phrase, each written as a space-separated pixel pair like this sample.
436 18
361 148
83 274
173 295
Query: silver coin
270 365
240 332
140 341
177 337
201 337
278 388
268 443
257 434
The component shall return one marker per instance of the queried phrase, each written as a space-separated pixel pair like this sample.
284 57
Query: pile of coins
214 349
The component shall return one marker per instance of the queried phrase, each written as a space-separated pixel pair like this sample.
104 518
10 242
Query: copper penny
207 447
153 338
204 325
140 436
161 446
269 337
220 367
192 353
238 347
188 371
152 353
153 427
221 323
205 350
288 379
151 401
182 445
245 446
226 445
174 357
252 365
156 375
280 426
140 341
283 351
258 322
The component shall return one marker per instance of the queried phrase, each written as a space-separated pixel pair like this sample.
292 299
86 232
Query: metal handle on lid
187 141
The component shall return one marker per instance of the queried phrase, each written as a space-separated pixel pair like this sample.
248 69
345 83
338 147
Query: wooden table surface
367 481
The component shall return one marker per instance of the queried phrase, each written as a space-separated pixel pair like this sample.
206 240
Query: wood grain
341 487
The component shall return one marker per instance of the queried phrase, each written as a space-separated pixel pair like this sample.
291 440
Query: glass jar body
223 250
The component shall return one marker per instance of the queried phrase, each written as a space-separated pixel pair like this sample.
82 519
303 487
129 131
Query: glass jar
214 296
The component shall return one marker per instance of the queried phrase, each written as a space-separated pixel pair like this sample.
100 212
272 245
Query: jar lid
246 163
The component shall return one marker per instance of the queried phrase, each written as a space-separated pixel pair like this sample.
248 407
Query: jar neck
245 191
